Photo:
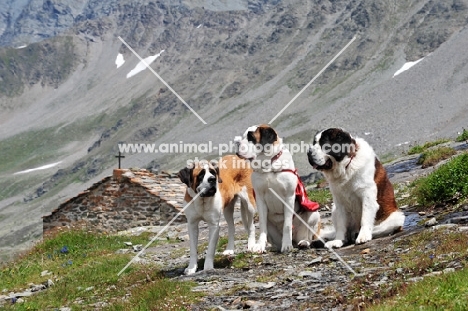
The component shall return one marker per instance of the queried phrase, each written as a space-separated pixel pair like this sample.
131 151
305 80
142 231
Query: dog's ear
216 168
267 135
337 137
185 176
347 142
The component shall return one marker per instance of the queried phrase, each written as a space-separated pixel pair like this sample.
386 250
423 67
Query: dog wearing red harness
279 193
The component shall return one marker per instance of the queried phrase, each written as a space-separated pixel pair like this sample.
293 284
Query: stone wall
126 200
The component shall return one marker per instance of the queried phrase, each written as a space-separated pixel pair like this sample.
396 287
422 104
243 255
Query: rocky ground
313 279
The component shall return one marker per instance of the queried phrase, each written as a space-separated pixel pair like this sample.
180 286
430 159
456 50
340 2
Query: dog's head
331 147
201 178
256 140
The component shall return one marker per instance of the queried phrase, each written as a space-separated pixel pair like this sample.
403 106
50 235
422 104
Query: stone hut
127 199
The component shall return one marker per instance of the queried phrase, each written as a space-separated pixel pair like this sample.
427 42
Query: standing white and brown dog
273 170
364 201
220 185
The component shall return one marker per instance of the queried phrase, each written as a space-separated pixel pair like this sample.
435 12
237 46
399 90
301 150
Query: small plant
421 148
222 242
463 136
416 149
321 196
448 182
433 156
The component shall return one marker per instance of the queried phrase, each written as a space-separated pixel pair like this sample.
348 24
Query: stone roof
165 185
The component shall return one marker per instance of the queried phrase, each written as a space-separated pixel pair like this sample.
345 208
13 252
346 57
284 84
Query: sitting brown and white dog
219 186
364 201
274 172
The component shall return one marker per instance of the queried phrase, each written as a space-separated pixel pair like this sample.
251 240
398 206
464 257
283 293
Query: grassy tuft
321 196
421 148
463 136
433 156
448 182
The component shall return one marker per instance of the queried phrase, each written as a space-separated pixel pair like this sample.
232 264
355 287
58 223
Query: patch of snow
367 133
38 168
141 65
199 26
119 61
21 46
401 144
406 66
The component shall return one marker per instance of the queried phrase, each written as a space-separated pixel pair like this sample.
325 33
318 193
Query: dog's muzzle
209 192
321 167
210 188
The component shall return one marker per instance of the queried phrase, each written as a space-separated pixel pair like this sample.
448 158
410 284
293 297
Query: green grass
421 260
433 156
463 136
321 196
448 182
245 260
445 292
222 243
421 148
91 261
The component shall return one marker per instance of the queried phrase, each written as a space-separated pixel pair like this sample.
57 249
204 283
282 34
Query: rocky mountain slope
64 103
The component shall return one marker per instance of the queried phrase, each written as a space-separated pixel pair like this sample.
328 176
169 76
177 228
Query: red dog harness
301 194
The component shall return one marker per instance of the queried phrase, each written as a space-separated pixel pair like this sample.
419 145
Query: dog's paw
365 235
303 244
228 252
334 244
258 248
286 248
250 245
189 271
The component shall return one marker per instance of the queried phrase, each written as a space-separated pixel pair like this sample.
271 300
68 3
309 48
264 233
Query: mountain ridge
235 68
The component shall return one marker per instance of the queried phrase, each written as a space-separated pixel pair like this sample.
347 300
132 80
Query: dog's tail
327 233
390 225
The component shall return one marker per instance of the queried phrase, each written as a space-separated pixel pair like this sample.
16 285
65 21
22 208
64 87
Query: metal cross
120 156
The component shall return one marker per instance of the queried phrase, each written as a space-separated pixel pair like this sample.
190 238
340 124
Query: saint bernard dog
219 186
364 201
274 172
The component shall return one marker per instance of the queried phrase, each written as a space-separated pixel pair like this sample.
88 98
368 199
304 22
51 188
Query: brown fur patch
257 136
234 173
385 193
